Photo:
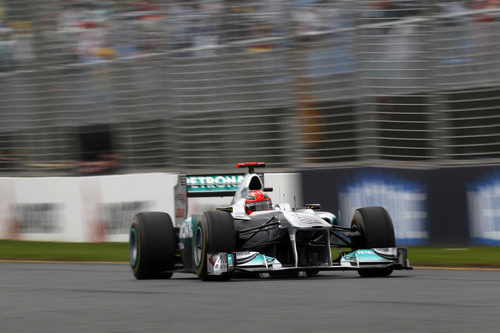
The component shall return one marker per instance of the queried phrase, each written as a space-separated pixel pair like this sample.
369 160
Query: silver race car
251 236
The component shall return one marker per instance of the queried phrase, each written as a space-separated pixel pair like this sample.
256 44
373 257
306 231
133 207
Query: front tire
376 272
312 272
152 246
375 229
214 232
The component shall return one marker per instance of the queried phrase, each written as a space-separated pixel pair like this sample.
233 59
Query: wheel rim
133 250
198 246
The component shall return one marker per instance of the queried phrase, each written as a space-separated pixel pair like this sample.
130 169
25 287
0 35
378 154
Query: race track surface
36 297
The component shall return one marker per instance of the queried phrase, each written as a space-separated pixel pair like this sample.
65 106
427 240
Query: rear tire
214 232
152 246
376 231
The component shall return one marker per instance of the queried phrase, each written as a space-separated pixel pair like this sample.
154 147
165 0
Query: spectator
485 4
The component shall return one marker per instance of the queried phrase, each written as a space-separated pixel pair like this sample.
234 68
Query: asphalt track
41 297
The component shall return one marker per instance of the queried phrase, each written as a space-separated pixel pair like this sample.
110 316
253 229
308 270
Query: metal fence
120 86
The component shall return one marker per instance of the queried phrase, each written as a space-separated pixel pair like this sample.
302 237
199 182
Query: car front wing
379 258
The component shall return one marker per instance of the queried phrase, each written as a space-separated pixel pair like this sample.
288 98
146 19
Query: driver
257 201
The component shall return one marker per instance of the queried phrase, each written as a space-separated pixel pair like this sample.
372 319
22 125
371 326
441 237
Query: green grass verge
482 256
27 250
118 252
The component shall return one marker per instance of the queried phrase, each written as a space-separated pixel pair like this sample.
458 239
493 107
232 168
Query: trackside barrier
101 208
80 209
438 206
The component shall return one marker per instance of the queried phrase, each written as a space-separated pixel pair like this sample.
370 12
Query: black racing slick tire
375 229
214 232
375 272
312 272
152 246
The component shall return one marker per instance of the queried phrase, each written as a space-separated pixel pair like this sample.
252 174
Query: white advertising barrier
101 208
80 209
111 202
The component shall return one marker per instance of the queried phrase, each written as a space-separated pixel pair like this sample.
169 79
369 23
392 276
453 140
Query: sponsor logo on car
213 183
217 263
186 231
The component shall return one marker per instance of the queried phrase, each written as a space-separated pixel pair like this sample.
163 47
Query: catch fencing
92 87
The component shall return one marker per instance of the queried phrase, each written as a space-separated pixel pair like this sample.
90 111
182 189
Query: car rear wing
204 186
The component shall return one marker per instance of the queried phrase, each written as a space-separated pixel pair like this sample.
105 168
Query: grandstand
99 87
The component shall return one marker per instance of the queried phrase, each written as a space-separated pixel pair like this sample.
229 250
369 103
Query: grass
28 250
118 252
482 256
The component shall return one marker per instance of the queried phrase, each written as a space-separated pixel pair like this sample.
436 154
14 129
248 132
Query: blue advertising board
436 206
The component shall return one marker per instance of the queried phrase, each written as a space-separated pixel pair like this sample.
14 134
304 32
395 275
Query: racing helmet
257 201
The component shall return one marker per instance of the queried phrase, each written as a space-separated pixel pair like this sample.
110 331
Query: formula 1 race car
251 236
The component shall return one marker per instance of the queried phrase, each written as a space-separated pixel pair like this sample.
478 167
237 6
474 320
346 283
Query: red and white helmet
257 201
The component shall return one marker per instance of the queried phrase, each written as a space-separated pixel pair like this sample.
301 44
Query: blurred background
99 87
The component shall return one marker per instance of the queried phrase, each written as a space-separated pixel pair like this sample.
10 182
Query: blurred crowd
86 31
52 34
79 31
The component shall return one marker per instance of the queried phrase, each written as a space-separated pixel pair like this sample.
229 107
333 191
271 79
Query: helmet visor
259 206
